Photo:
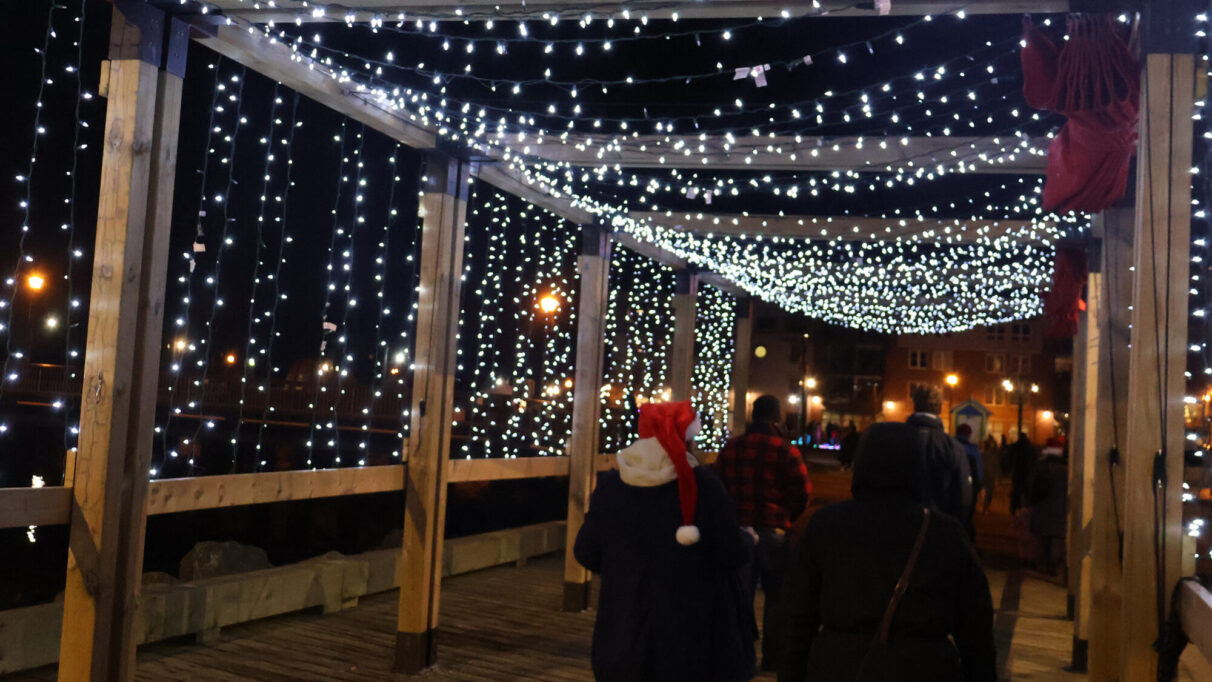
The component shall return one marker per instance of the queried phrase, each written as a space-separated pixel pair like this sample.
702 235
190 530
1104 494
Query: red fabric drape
1093 80
1064 302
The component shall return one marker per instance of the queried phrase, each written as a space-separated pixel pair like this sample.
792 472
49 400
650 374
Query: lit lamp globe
549 304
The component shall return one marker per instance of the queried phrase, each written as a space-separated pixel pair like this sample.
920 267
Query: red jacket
766 477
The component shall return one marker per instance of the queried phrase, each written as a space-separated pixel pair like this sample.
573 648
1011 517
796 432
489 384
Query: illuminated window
995 363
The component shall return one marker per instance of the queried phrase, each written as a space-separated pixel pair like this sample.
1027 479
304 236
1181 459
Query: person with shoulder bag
883 587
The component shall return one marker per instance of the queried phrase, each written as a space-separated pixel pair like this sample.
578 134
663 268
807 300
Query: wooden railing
50 506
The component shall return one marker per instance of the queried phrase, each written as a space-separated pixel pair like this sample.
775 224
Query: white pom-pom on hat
688 535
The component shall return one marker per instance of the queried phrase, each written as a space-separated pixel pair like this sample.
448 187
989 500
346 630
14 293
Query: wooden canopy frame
108 496
366 10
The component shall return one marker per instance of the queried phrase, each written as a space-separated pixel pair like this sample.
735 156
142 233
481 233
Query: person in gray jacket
946 474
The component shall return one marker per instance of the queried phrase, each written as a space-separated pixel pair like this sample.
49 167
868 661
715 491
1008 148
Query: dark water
33 572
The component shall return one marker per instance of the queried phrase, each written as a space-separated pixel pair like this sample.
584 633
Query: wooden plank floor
505 624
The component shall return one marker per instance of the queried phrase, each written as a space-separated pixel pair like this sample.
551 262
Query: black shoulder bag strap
881 639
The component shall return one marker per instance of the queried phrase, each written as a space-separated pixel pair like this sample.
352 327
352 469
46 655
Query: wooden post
594 265
1098 612
1098 401
1153 453
443 214
122 351
1075 545
681 356
740 364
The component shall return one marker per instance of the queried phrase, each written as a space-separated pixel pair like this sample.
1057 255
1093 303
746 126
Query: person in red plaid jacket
766 477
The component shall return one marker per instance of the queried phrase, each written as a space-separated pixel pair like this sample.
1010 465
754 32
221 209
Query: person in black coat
663 535
948 479
844 570
1022 460
1048 499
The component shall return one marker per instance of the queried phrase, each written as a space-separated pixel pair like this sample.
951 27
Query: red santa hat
672 424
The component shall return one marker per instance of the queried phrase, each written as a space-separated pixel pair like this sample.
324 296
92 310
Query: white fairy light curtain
462 77
54 127
899 286
711 383
517 330
1197 483
288 332
639 334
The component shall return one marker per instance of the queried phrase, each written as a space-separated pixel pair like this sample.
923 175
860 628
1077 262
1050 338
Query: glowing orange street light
35 281
231 358
952 380
549 304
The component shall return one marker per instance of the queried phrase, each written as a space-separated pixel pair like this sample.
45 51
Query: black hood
889 460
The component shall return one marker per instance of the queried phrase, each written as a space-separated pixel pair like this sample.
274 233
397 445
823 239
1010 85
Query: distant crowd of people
885 586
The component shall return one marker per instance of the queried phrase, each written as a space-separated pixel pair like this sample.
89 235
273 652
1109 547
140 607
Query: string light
895 287
225 243
183 346
711 380
271 370
639 335
519 402
23 259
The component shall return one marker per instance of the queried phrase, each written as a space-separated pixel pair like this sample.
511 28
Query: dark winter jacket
843 573
667 612
946 472
1048 497
1022 457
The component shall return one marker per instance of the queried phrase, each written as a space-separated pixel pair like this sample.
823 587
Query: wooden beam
496 469
110 478
148 332
741 353
681 355
21 507
650 251
594 267
276 61
170 496
1105 416
51 506
508 180
1195 613
291 10
443 216
1008 154
1081 471
848 228
1159 342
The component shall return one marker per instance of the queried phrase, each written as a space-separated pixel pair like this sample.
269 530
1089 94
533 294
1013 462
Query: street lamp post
808 384
804 410
952 380
35 282
1019 388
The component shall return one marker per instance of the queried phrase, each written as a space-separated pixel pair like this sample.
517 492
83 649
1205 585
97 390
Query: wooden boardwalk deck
505 624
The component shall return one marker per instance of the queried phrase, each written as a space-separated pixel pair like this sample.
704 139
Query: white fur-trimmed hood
645 464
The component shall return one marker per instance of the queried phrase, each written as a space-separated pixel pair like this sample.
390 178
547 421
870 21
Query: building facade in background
827 375
997 367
